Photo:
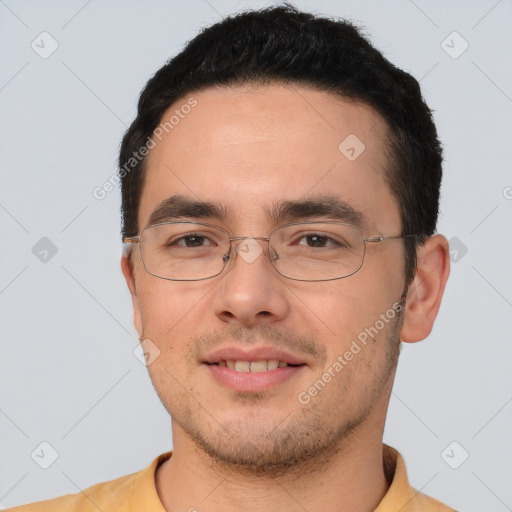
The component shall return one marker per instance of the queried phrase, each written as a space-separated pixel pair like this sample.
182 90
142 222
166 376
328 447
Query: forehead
251 147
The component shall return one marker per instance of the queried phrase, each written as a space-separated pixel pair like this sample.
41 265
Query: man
280 190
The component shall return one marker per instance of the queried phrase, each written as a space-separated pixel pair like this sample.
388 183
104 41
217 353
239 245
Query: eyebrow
327 207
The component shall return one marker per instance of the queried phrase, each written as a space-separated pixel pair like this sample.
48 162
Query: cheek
358 312
169 312
170 317
360 339
355 303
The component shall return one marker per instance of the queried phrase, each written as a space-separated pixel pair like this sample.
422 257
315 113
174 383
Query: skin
247 148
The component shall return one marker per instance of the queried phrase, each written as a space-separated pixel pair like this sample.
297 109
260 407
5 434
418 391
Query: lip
252 381
252 355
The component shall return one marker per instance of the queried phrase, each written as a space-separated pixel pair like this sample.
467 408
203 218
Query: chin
270 447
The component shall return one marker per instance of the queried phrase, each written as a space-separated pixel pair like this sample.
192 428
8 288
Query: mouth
255 370
253 366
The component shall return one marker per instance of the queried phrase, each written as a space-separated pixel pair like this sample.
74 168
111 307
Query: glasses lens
184 251
318 251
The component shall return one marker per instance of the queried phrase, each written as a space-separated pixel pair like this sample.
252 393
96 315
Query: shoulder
401 495
102 495
115 495
422 502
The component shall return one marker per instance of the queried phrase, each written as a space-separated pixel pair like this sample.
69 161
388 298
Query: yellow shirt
137 493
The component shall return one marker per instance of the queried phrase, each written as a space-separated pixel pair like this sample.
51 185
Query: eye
317 240
191 240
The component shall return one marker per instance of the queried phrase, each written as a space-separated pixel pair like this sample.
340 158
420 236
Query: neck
350 478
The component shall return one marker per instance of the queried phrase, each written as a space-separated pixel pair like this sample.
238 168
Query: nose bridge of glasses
250 248
236 238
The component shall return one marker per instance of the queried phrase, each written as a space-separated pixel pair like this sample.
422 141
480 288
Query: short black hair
284 45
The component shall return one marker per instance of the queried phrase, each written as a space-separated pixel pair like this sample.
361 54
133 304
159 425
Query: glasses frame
137 240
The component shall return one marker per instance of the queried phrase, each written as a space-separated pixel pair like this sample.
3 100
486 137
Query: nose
250 290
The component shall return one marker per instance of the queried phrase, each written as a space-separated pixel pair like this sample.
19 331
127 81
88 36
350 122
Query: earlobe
129 275
426 291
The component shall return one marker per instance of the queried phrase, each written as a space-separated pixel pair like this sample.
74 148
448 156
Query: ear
129 275
426 291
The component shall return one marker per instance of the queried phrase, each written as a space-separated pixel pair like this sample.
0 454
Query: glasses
303 251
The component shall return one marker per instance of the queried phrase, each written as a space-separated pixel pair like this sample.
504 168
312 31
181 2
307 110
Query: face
249 149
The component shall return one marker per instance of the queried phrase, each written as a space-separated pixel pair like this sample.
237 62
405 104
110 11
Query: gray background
68 373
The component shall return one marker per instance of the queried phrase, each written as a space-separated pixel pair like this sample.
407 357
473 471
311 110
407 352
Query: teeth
272 364
242 366
258 366
254 366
